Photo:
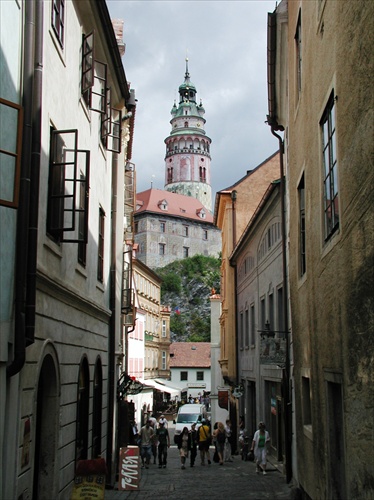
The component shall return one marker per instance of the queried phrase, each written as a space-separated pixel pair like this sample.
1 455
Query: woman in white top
260 442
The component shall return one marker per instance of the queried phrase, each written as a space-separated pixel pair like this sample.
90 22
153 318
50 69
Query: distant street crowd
154 441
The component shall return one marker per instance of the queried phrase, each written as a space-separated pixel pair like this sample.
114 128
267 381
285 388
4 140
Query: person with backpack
220 437
204 442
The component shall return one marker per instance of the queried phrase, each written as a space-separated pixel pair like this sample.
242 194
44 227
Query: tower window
186 124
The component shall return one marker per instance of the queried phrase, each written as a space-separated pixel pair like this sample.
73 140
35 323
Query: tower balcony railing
188 150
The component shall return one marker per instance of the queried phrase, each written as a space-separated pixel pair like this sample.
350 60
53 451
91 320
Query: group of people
190 442
154 440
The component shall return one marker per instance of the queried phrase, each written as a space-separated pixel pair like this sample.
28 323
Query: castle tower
187 160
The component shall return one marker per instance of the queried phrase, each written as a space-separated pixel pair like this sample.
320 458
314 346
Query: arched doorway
46 426
81 441
97 409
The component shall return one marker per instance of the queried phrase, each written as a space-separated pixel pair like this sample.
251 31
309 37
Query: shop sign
129 473
89 481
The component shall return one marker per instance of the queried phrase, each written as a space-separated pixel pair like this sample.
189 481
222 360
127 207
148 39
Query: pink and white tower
187 160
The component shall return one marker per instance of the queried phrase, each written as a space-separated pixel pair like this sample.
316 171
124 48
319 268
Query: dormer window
163 205
201 213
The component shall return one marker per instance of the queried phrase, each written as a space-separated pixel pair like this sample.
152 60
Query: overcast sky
225 42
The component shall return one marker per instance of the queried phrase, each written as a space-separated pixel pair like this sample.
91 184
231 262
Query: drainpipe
27 216
234 420
286 373
112 328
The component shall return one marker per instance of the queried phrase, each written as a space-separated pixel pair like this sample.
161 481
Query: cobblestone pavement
234 480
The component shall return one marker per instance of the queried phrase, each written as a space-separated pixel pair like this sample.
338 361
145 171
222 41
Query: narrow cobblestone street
234 480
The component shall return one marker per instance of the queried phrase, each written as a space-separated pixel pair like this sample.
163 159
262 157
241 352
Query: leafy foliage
187 285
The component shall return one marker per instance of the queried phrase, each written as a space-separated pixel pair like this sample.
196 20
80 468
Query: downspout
27 216
234 420
112 326
275 126
286 373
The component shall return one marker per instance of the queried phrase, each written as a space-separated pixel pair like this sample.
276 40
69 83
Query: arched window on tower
202 174
170 174
186 124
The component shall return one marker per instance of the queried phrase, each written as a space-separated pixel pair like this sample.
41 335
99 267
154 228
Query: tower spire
187 75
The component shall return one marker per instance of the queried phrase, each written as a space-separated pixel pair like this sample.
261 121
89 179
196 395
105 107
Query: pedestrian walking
220 438
163 444
163 420
194 440
228 448
133 433
154 445
260 442
184 444
146 435
204 442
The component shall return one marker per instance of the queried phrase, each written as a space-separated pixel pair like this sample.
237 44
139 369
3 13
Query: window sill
81 270
100 286
53 248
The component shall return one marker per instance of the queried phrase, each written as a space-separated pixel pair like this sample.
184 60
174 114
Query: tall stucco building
320 81
261 336
64 96
234 207
177 222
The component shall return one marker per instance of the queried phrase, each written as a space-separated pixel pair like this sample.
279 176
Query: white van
187 415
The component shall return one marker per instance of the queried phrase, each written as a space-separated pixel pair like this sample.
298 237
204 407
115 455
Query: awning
161 387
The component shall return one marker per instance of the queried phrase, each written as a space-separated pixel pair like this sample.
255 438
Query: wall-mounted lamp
267 332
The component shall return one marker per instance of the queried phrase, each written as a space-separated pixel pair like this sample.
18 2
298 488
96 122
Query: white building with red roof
190 366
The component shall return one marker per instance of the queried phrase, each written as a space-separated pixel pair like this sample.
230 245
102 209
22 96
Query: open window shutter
127 299
74 209
70 168
11 122
88 67
99 89
106 119
113 141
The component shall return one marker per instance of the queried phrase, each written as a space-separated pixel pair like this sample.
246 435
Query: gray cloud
225 42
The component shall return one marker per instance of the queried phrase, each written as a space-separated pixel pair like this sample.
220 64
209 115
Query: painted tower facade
187 160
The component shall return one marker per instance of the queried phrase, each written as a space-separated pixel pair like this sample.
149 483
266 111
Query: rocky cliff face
187 286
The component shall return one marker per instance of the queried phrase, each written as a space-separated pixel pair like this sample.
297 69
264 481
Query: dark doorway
47 411
97 410
81 442
336 441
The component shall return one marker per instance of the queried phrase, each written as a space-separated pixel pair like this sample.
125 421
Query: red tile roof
190 355
178 205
